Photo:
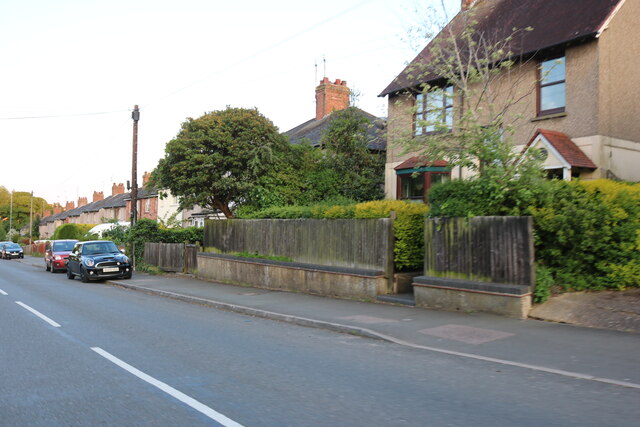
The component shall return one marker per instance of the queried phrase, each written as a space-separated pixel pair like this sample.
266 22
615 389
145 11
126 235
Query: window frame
426 173
422 110
540 85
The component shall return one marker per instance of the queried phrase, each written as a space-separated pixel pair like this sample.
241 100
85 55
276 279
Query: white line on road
200 407
40 315
3 292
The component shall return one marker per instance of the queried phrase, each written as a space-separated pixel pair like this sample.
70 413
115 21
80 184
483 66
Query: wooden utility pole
134 181
31 221
134 167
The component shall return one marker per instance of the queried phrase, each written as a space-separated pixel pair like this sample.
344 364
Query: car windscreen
63 246
99 248
13 246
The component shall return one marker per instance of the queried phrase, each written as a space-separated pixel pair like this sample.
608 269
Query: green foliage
587 234
408 229
360 172
146 230
3 234
303 175
408 226
544 285
255 255
20 209
217 159
72 231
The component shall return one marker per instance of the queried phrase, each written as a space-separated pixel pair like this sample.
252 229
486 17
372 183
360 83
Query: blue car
11 250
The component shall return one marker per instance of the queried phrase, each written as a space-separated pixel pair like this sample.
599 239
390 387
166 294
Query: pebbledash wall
342 258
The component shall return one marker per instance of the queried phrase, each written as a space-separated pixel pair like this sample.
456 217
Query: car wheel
46 266
70 275
83 275
127 275
53 270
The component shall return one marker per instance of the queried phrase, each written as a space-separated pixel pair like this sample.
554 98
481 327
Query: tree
217 159
360 171
470 95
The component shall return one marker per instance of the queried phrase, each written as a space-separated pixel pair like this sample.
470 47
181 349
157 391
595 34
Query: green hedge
408 227
587 234
146 230
72 231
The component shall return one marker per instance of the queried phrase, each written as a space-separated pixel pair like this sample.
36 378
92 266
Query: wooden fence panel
190 258
167 256
351 243
487 249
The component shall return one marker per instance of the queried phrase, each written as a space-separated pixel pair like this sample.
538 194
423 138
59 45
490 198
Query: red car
56 253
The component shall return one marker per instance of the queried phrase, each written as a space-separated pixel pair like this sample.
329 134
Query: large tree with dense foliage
216 160
359 170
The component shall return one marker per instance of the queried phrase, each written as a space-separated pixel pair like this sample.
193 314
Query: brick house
330 97
582 113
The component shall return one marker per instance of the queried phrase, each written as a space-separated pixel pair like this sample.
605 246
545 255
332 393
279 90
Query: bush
71 231
587 234
146 230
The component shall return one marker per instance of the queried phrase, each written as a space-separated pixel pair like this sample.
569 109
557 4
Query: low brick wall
291 276
470 296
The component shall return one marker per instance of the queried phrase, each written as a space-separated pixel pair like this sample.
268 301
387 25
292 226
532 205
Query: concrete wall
295 277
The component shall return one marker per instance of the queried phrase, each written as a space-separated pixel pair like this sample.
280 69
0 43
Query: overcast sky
85 63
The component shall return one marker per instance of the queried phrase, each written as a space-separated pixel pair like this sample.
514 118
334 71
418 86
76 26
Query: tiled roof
313 129
571 153
554 22
420 162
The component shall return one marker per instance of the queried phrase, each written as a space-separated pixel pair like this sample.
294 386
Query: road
79 354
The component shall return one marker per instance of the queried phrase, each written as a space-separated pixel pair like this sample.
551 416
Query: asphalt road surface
78 354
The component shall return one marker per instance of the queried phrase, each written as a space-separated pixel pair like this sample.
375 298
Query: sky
72 70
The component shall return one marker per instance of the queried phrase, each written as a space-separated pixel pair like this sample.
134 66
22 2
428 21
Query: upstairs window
433 110
551 86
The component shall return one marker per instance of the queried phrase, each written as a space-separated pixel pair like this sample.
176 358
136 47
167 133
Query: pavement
605 349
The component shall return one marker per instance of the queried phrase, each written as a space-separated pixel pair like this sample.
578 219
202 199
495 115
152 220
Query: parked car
98 259
56 253
11 250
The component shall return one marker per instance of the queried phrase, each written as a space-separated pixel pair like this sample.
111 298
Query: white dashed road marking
40 315
200 407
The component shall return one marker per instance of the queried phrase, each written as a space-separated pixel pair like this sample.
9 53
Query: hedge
72 231
587 234
408 227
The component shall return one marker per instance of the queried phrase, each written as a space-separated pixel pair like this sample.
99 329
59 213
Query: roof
418 161
573 155
312 130
555 24
113 201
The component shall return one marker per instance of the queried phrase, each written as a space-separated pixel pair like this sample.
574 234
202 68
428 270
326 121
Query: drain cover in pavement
465 334
368 319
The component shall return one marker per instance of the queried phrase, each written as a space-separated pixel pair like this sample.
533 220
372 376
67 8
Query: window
551 86
147 205
432 109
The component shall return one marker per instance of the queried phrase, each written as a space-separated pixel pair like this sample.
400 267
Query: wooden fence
485 249
350 243
175 257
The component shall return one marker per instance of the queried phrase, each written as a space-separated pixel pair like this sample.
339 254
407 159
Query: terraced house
576 71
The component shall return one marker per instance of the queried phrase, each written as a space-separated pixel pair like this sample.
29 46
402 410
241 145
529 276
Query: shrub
587 234
72 231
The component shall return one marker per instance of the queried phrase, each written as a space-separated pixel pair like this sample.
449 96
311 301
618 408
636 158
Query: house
580 61
330 97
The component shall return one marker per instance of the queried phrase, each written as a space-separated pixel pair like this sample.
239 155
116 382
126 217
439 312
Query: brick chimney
57 209
69 206
145 178
331 97
98 195
82 201
117 189
467 4
47 213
